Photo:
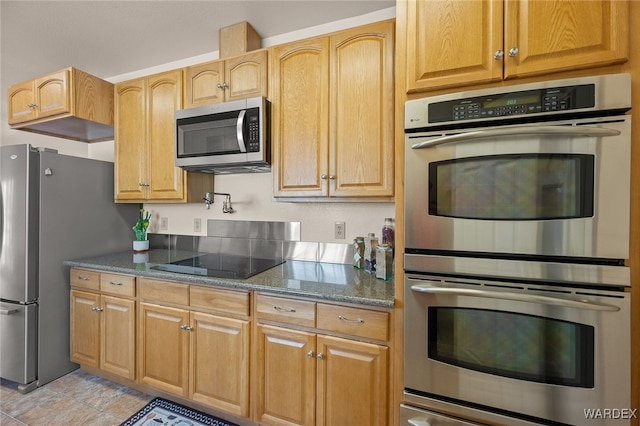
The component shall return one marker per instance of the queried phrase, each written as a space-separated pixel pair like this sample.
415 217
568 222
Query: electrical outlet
164 223
340 231
196 225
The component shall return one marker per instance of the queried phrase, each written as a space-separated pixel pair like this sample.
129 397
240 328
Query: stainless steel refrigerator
54 208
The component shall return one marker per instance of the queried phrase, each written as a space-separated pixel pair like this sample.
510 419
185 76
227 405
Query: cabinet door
85 328
299 87
246 76
201 84
164 97
118 332
219 372
286 377
564 35
163 348
21 103
361 111
451 43
52 94
130 141
352 383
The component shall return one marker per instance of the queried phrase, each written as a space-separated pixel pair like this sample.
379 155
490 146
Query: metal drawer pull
357 320
280 309
310 354
8 311
112 283
81 278
97 309
320 356
186 327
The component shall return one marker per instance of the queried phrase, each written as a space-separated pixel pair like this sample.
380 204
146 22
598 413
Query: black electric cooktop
220 265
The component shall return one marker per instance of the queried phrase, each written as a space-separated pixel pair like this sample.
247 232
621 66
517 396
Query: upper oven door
551 189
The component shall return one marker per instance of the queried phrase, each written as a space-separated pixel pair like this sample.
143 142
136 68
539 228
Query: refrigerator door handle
8 311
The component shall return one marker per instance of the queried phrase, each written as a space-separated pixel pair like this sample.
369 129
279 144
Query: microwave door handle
240 132
532 298
519 130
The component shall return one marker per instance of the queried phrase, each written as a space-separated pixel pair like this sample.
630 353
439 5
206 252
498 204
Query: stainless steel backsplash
268 240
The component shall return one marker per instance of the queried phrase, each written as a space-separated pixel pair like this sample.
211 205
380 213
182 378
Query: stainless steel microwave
231 137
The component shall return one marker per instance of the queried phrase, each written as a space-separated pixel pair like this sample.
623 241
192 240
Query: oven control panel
513 104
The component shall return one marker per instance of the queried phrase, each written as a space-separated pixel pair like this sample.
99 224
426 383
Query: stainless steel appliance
517 230
54 208
231 137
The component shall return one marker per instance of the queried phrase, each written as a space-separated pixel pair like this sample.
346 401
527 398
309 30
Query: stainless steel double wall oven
517 230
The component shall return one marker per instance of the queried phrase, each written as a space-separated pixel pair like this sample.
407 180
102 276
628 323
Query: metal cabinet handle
96 309
281 309
357 320
143 184
513 52
114 283
222 85
332 177
320 356
498 55
8 311
32 105
81 278
186 327
323 177
310 354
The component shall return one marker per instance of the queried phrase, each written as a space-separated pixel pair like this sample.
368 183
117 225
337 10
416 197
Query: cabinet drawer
233 302
355 321
163 291
85 279
122 285
289 311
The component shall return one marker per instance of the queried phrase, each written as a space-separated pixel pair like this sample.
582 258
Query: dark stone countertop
322 281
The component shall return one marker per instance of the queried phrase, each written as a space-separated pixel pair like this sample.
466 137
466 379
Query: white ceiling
110 38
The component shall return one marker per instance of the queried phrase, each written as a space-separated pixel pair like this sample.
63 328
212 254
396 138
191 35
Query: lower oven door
536 352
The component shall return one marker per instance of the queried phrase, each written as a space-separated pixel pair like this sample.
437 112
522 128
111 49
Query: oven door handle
531 298
519 130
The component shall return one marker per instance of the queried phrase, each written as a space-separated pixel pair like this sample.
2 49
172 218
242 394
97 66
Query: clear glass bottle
388 231
370 244
384 262
358 252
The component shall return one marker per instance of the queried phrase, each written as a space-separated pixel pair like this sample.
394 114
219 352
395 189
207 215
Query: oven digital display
511 101
513 187
514 345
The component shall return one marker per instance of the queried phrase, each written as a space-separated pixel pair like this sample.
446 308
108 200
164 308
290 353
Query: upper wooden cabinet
457 42
145 168
68 103
332 114
239 77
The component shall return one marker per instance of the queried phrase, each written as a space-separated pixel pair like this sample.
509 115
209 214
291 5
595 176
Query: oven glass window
513 345
513 187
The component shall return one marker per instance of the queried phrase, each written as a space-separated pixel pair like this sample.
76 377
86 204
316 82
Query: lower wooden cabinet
103 332
305 377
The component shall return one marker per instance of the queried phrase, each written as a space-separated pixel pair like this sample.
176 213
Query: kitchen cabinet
144 165
103 321
333 116
68 103
324 374
456 43
218 81
194 343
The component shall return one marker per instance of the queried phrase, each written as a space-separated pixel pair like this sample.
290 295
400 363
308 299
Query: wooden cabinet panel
231 302
163 291
21 103
563 35
118 333
246 75
450 42
354 321
123 285
85 328
361 111
201 84
163 348
219 372
299 87
130 165
352 383
289 311
286 376
52 94
85 279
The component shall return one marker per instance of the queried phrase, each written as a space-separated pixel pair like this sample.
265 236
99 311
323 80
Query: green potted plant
140 229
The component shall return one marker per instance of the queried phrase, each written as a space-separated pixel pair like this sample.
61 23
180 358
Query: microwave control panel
252 130
513 104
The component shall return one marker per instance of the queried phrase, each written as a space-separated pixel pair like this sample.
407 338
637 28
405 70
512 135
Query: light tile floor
79 398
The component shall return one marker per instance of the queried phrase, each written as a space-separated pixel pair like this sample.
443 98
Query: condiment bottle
358 252
388 231
370 244
384 262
